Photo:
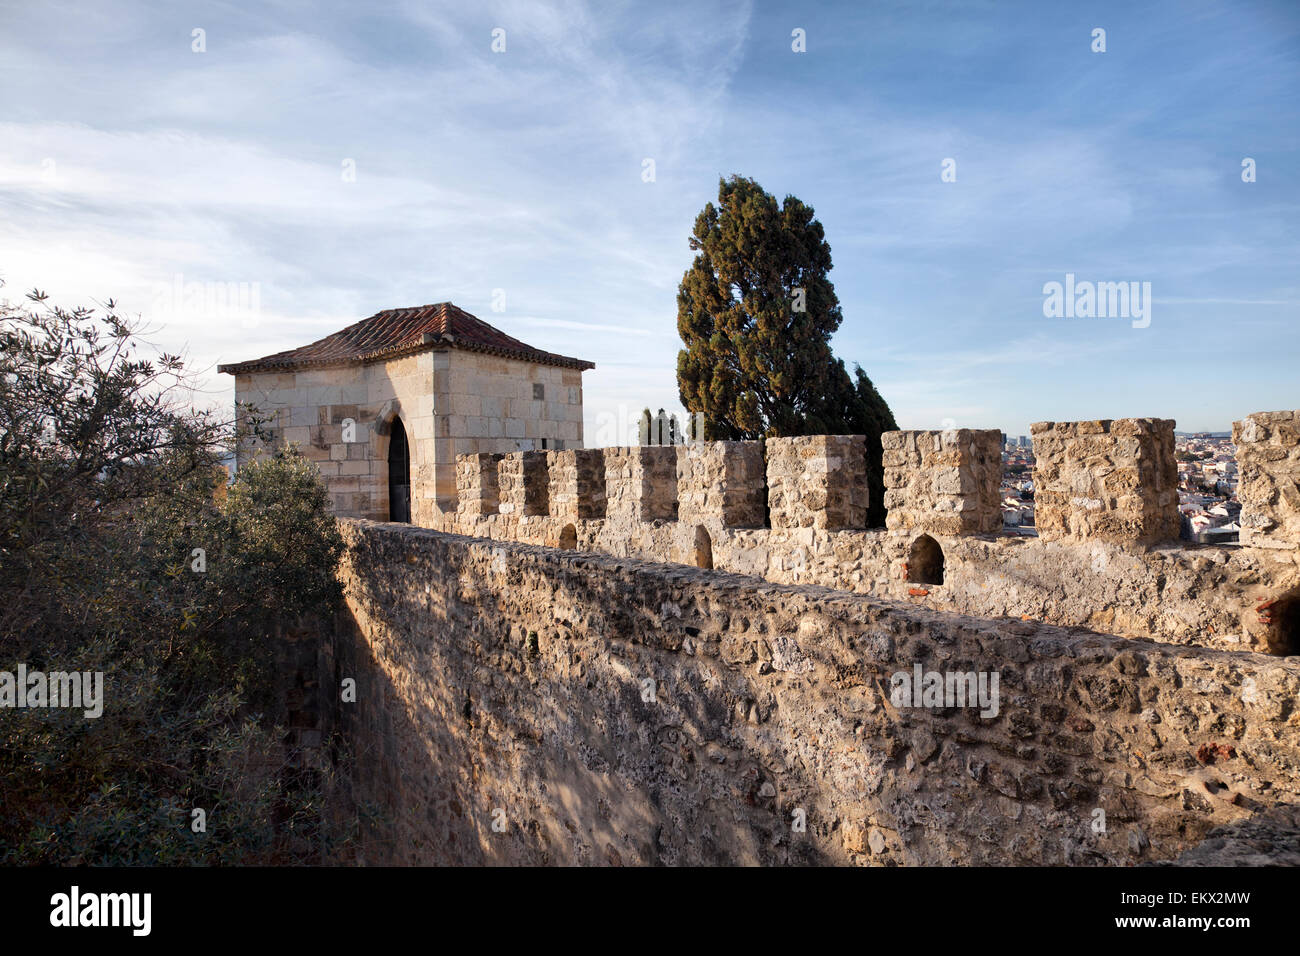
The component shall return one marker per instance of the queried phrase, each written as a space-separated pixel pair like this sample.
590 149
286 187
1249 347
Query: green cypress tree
756 311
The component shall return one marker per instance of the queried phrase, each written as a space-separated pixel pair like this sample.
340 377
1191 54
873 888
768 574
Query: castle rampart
524 480
641 483
943 482
519 704
478 489
576 490
791 511
721 484
1106 480
1268 456
817 481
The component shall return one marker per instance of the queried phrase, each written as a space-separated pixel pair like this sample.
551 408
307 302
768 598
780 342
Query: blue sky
127 159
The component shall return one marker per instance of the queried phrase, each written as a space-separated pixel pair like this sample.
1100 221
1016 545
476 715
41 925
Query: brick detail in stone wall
477 484
641 483
523 482
817 481
1268 461
943 482
722 482
577 483
1110 480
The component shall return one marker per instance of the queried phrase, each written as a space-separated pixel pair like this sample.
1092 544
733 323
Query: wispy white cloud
522 172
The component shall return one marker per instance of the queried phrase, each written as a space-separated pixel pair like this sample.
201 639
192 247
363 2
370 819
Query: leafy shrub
109 482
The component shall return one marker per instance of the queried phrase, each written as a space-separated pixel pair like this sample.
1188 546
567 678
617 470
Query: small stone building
384 406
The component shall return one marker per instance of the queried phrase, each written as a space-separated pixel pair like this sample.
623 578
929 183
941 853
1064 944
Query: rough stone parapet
817 481
523 482
477 484
943 482
1109 480
774 691
722 483
1268 465
641 483
577 483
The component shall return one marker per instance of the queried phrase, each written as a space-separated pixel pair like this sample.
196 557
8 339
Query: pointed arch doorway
399 474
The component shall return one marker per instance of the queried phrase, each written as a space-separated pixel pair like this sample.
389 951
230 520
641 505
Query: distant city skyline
342 161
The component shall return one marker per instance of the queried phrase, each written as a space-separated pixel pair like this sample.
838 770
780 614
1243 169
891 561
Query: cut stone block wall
1268 464
577 484
523 481
477 484
489 403
817 481
313 408
1109 480
451 403
943 482
641 483
722 483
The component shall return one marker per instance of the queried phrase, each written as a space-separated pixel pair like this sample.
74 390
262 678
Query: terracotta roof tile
395 332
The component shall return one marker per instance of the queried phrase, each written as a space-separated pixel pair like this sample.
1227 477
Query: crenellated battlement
1268 460
721 484
794 510
478 486
817 481
1108 480
641 483
943 482
576 484
524 480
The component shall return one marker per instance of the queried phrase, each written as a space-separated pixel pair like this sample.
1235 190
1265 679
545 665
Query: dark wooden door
399 475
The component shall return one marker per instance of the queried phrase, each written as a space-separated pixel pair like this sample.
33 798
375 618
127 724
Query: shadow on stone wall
458 719
614 711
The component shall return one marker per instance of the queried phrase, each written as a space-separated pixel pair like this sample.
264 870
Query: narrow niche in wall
703 550
925 561
399 473
569 538
1283 617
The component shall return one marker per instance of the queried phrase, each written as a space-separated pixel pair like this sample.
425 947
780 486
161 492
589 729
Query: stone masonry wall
477 484
641 483
451 402
577 483
488 403
312 408
817 481
943 482
722 484
612 711
1268 457
1110 480
523 479
1209 596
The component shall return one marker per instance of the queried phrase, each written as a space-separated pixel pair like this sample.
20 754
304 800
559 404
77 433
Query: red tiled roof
395 332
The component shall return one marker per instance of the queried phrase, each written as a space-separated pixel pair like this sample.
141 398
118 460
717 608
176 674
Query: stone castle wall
1106 480
943 482
576 489
478 484
524 483
641 483
1268 456
817 481
721 484
529 705
785 510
